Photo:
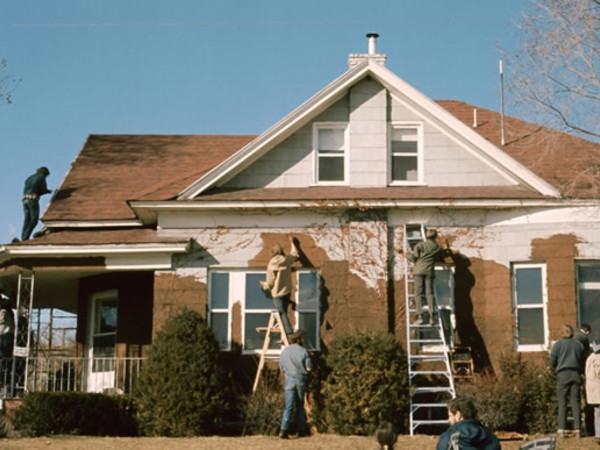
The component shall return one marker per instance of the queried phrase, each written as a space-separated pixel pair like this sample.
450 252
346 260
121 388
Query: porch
67 374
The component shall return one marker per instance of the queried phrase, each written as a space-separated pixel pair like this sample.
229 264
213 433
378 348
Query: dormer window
330 146
405 153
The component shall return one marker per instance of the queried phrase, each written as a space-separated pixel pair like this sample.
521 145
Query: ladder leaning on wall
275 326
429 372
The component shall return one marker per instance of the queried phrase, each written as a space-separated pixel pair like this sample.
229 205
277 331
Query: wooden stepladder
275 326
428 350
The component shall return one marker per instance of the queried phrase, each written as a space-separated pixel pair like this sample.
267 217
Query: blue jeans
295 387
281 304
31 211
568 386
424 290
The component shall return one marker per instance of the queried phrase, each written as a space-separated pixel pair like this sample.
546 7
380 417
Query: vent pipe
372 43
502 139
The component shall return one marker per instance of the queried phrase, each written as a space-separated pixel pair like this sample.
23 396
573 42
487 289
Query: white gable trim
336 90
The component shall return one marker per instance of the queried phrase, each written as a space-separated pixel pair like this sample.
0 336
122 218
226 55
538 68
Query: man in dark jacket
35 187
424 256
470 434
568 360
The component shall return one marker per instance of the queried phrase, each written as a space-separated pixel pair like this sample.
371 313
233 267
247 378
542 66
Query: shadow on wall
467 330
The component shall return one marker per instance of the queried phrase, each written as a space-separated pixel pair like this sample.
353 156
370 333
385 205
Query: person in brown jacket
279 280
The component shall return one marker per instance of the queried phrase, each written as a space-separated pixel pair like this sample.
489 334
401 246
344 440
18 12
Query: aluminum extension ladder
429 371
275 326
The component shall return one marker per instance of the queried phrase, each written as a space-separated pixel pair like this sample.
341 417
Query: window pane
308 325
331 139
218 323
443 288
307 291
253 340
256 297
530 325
404 168
219 290
107 314
529 286
404 135
404 147
331 169
588 273
589 308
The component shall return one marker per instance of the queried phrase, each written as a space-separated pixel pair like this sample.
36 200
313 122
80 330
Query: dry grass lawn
330 442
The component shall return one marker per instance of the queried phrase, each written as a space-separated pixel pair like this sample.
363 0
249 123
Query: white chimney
355 59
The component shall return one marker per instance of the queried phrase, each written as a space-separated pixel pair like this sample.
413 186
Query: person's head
461 408
277 250
431 234
585 327
296 338
595 346
566 332
43 170
385 435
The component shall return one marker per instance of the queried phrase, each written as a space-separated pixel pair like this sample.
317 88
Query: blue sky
216 67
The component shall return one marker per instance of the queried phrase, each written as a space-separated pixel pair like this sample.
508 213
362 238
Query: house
143 225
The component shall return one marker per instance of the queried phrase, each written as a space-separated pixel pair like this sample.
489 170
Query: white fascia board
277 133
93 250
188 206
400 88
93 224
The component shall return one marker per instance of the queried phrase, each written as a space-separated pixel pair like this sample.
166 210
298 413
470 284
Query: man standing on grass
568 360
295 363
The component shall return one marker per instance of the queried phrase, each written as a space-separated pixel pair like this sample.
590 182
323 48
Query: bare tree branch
8 83
555 75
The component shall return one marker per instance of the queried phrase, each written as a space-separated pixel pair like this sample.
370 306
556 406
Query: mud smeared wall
171 292
559 253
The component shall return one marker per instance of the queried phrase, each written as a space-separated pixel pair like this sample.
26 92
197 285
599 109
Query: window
230 287
404 153
330 147
529 301
588 293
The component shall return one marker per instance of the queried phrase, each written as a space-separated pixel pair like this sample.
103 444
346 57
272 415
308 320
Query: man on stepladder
424 256
279 280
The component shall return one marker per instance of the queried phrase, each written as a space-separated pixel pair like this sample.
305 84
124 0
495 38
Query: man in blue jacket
466 429
295 363
35 187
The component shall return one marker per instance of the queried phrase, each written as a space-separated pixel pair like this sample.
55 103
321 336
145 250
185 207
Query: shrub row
47 413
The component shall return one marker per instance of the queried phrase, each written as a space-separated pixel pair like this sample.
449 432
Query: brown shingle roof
113 169
103 237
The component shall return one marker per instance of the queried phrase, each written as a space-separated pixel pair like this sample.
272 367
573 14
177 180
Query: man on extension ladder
424 256
279 280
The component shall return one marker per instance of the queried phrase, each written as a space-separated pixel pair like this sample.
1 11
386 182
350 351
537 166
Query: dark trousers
424 291
31 211
568 386
281 304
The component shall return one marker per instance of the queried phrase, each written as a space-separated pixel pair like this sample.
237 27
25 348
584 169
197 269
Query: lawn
330 442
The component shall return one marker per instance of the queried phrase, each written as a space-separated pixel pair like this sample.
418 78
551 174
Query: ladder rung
429 357
430 372
416 406
263 329
416 423
430 389
426 341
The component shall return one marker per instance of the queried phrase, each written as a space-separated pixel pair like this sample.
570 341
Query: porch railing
68 374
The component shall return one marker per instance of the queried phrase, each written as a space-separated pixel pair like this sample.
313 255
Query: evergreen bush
368 383
49 413
183 389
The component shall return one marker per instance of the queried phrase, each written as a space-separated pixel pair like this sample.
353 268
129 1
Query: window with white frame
529 302
405 153
588 293
228 287
330 144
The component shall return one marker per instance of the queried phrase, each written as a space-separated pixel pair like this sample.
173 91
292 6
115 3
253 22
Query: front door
101 341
